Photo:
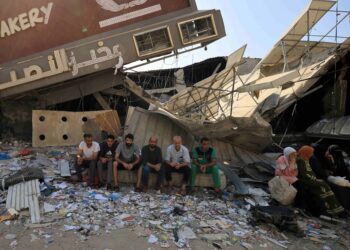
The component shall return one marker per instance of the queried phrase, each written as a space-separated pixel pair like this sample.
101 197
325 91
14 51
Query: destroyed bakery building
56 88
299 87
64 74
53 52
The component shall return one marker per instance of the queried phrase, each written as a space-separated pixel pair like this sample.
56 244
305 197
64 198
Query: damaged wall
16 118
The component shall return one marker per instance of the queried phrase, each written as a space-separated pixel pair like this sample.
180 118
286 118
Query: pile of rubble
163 220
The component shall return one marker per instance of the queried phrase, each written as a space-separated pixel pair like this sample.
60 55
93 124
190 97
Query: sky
257 23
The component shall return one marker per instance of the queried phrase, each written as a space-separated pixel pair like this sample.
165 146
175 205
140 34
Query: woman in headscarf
328 163
286 167
334 154
318 163
320 193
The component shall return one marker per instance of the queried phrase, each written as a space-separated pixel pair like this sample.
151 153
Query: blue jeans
145 175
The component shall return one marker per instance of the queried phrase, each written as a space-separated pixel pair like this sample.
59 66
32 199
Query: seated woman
318 190
327 163
286 167
335 157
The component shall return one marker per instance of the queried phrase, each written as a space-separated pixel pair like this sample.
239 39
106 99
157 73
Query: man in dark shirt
105 162
152 159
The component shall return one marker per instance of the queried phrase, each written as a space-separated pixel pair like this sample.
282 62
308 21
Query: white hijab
286 152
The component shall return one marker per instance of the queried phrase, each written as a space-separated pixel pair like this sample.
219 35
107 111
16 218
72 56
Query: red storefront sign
31 26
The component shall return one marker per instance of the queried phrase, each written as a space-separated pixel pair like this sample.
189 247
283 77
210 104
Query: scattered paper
152 239
48 208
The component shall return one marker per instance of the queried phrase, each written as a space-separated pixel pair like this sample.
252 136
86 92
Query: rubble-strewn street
75 216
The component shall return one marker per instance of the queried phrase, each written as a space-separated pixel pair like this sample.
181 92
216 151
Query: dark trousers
102 169
134 168
91 166
185 171
304 200
342 194
145 175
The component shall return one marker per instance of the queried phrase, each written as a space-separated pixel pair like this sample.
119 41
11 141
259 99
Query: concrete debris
10 236
60 128
163 220
13 244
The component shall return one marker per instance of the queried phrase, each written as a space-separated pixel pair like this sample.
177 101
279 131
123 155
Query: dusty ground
121 239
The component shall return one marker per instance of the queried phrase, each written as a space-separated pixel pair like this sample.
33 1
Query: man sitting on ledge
204 161
127 157
86 158
178 160
152 160
105 163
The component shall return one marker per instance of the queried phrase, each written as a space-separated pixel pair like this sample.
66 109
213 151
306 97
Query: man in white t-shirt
87 158
178 160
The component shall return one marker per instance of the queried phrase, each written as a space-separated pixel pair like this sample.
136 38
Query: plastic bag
282 191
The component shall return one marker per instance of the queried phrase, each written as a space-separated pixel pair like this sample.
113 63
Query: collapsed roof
288 72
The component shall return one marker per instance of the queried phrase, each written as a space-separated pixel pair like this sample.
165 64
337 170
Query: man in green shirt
204 161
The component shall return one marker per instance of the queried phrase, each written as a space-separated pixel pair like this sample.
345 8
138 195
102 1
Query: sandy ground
121 239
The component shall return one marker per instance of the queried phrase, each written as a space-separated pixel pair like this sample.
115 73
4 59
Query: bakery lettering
25 20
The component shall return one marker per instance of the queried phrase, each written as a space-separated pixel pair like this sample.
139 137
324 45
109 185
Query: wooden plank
140 92
99 98
9 197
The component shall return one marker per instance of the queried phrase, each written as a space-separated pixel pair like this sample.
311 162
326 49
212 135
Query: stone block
203 180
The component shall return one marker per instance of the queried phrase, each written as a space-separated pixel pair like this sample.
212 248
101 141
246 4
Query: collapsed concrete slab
143 124
60 128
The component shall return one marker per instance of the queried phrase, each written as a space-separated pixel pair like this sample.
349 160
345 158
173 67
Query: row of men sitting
320 176
105 159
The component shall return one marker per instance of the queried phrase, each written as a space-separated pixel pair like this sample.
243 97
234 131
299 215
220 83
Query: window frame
141 54
198 39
